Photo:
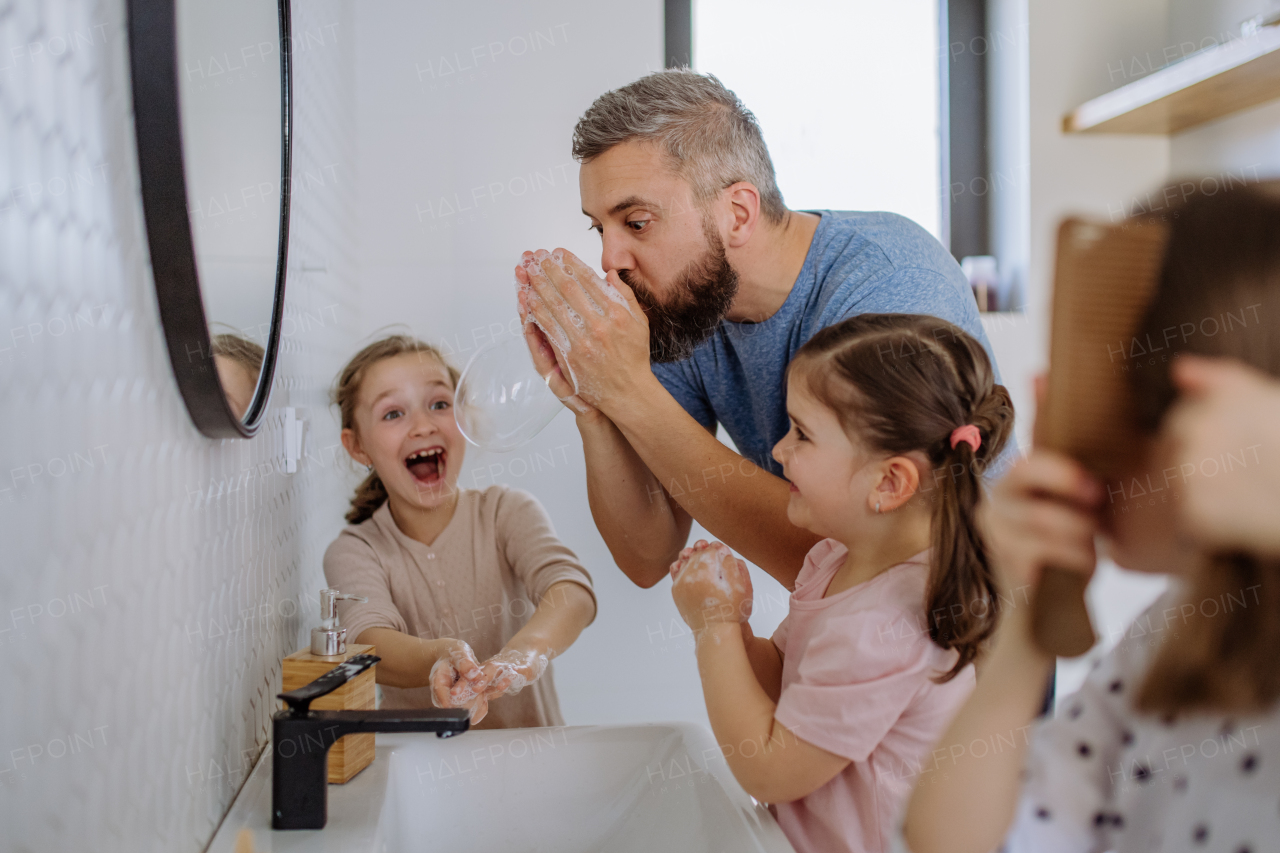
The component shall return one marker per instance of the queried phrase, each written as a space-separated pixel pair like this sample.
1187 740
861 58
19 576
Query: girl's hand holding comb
1042 513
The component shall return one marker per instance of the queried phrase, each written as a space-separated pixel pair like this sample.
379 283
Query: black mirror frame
153 60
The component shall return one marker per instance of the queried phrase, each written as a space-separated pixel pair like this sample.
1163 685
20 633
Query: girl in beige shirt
470 592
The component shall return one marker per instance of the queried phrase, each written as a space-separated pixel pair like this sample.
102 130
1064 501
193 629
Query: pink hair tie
968 434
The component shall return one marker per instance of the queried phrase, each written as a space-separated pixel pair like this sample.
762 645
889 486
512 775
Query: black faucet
301 739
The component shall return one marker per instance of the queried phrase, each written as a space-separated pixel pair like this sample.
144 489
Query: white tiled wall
149 577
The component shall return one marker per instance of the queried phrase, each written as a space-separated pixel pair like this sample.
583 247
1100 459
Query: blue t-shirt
858 263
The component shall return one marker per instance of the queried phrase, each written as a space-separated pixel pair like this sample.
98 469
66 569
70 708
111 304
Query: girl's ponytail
369 495
963 599
912 381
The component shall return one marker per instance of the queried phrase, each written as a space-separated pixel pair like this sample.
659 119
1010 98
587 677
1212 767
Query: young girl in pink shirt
894 419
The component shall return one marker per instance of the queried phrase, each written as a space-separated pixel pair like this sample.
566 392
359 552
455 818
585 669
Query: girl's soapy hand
511 670
711 585
1042 513
598 331
457 680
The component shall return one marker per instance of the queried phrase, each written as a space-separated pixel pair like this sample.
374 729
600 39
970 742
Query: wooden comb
1104 281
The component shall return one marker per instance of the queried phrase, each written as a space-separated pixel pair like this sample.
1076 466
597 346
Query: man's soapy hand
511 670
711 585
546 358
597 330
458 681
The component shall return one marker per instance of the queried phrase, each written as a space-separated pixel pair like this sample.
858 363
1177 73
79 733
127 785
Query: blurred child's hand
711 585
511 670
457 680
1042 513
1227 409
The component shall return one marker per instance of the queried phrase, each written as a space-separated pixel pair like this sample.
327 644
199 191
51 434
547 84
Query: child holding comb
1173 742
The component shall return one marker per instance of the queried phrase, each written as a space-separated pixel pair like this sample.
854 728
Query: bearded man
715 285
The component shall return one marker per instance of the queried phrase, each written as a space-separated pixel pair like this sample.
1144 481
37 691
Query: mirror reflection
230 101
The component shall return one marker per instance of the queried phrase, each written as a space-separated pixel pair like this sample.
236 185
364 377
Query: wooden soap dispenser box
352 753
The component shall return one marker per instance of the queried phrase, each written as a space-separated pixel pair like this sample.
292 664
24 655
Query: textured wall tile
150 579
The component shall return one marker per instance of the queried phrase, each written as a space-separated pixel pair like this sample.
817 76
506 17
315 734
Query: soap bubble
501 402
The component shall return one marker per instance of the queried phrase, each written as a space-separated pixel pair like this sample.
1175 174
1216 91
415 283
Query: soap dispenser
330 639
329 647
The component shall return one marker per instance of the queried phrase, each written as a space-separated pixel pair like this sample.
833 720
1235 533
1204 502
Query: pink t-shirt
857 680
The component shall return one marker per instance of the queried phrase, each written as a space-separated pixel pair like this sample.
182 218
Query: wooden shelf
1208 85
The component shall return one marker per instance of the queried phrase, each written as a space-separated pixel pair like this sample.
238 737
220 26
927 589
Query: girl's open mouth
427 466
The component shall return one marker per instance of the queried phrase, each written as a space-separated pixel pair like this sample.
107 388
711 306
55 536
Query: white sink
661 787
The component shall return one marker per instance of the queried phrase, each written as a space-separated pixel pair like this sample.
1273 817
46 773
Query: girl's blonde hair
902 383
241 350
371 493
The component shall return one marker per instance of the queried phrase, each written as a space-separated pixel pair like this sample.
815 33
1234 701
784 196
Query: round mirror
212 105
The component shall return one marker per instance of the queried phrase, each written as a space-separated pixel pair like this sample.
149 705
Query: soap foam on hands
531 263
558 257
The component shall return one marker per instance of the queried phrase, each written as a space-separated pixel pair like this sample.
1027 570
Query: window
846 92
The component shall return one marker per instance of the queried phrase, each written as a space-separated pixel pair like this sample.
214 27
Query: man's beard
701 298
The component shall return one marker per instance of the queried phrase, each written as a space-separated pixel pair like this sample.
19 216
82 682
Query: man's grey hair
709 136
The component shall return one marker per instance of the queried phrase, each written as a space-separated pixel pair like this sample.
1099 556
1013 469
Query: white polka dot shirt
1102 777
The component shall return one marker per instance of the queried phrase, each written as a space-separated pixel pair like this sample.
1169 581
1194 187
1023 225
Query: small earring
877 507
369 468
